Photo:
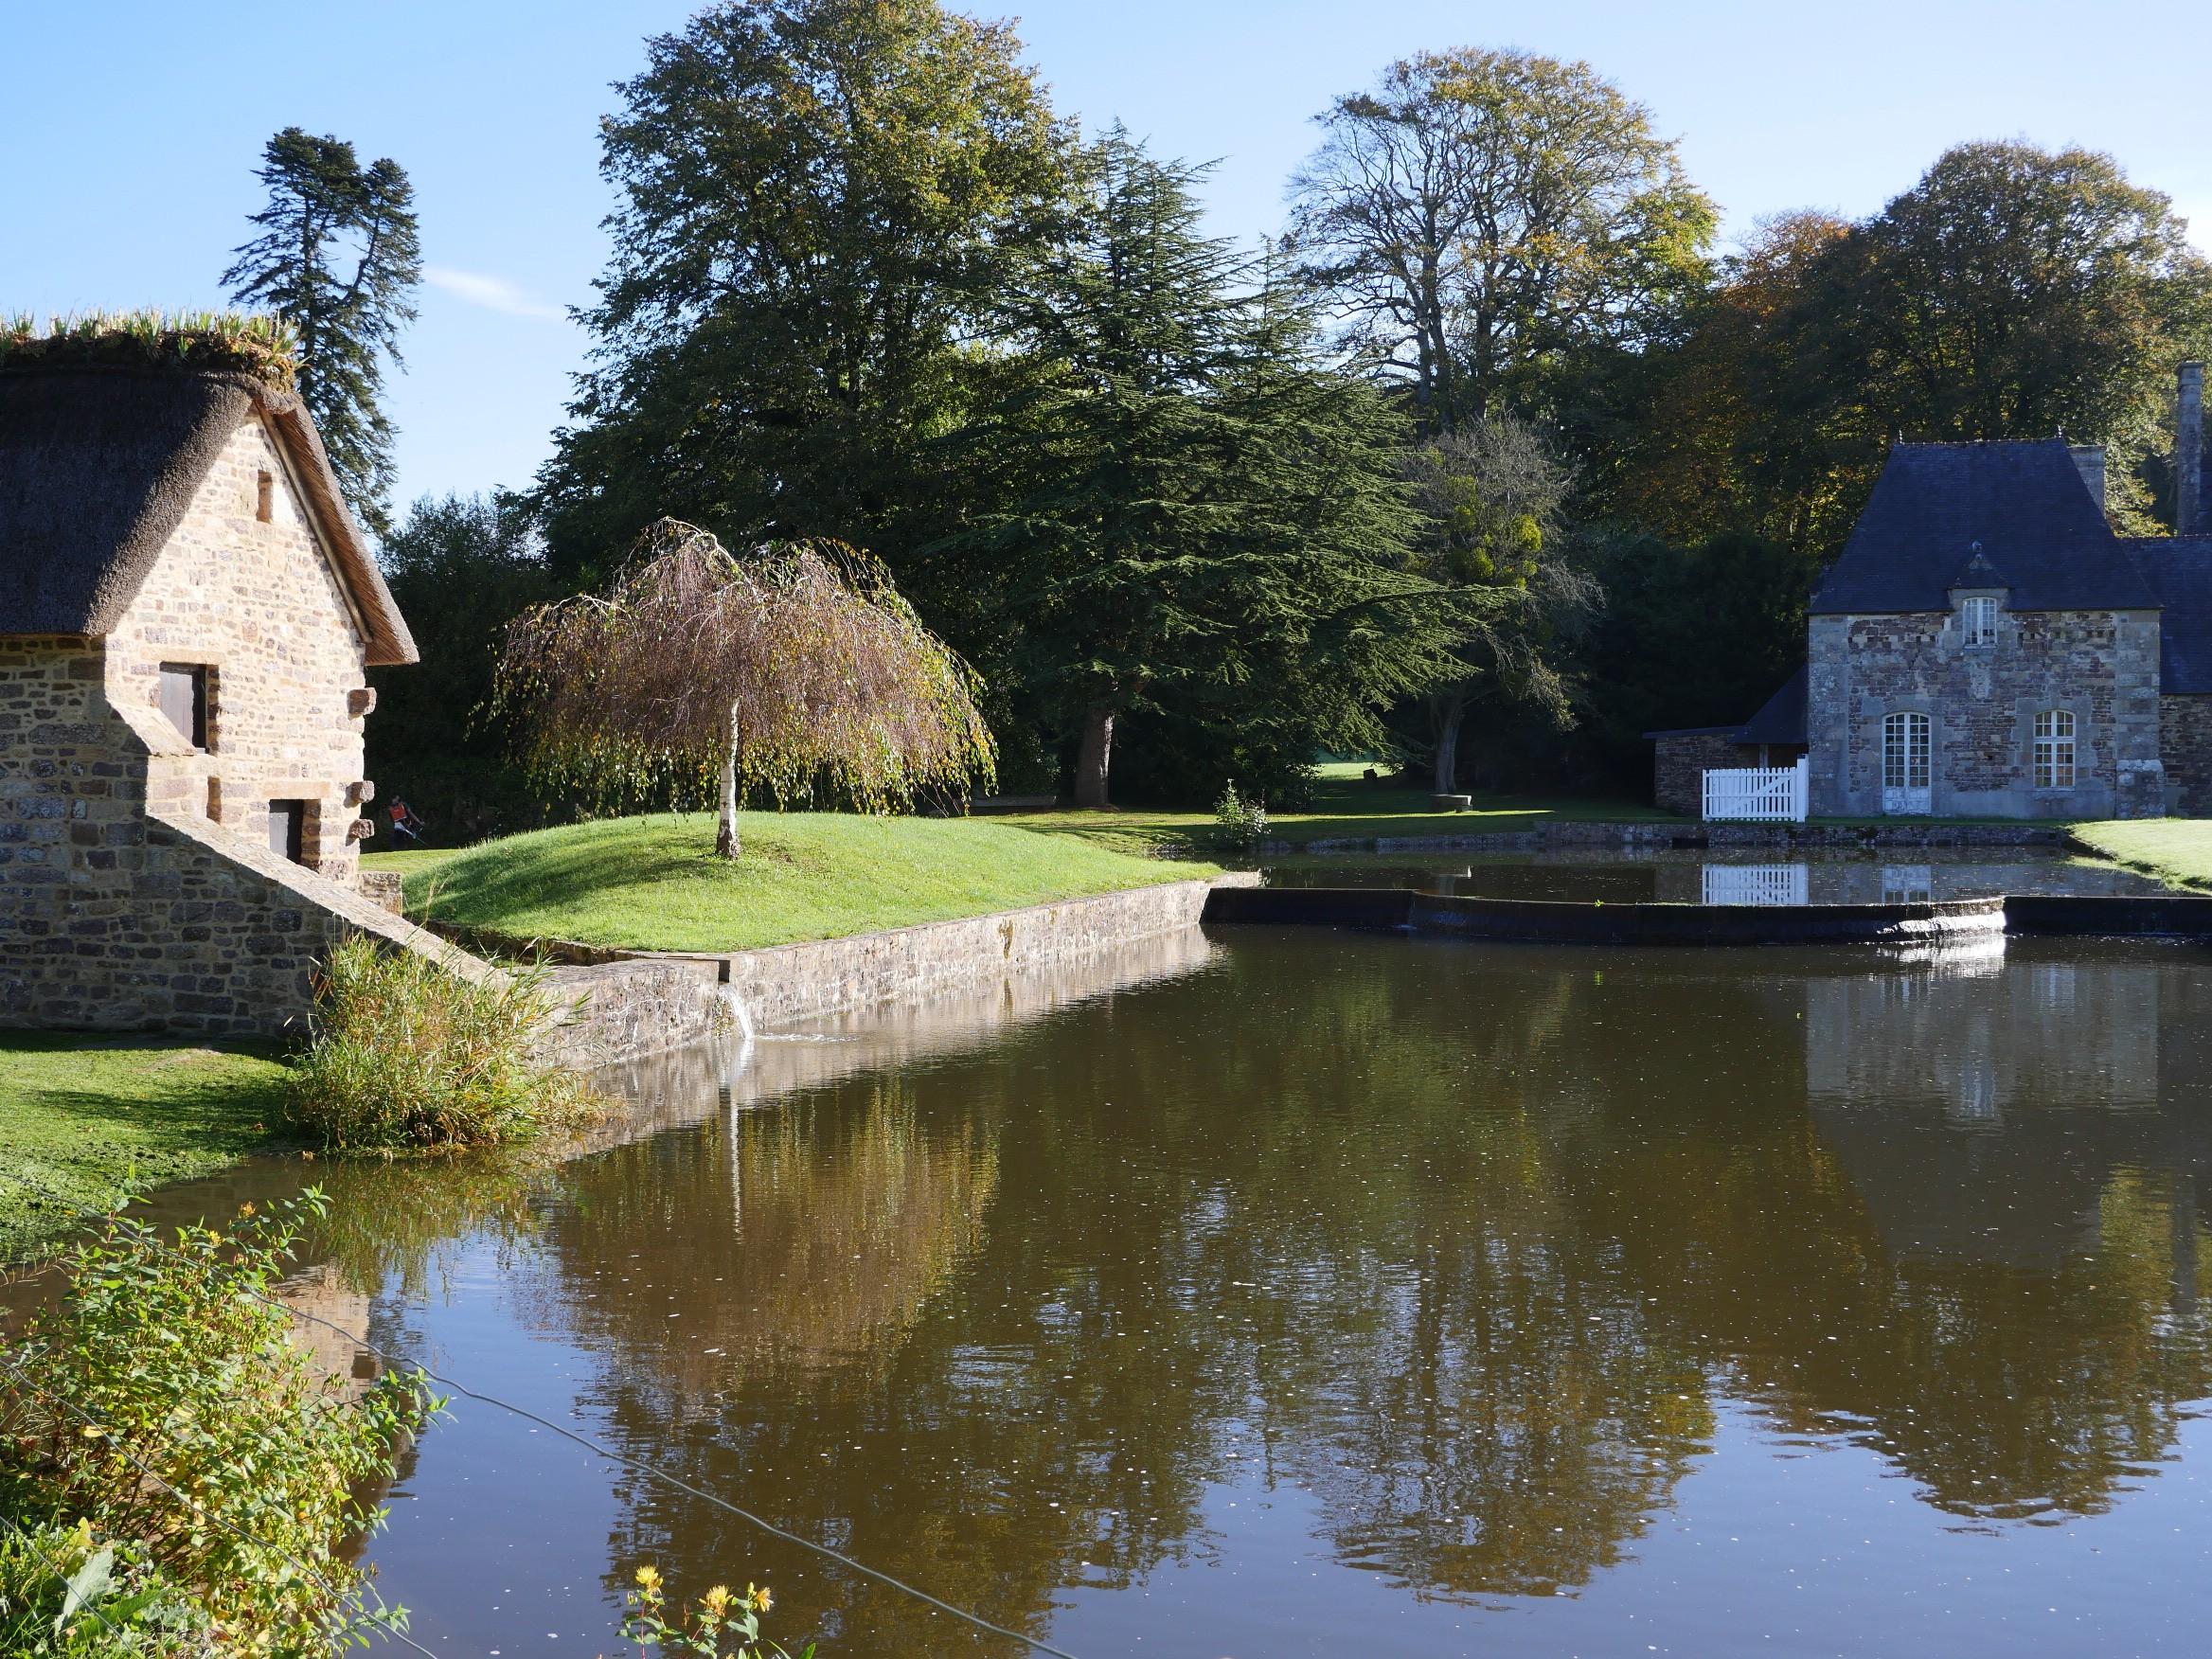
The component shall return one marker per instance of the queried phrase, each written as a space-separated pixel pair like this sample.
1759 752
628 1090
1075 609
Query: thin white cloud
493 292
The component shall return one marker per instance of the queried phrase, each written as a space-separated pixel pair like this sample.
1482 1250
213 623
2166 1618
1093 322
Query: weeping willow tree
796 669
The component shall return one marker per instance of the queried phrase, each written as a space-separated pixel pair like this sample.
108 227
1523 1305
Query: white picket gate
1769 794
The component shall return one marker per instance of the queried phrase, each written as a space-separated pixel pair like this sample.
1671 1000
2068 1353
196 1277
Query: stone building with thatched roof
186 611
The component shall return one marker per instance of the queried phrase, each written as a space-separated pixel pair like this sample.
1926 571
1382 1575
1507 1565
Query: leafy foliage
1193 519
1239 823
326 212
408 1057
796 669
68 1593
1493 502
214 341
460 569
1485 217
721 1617
200 1437
820 200
2010 294
1652 661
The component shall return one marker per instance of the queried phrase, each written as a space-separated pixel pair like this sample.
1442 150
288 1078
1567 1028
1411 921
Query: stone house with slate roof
185 610
1986 647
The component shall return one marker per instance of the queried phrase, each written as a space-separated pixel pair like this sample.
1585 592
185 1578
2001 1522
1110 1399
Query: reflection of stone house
185 610
1987 646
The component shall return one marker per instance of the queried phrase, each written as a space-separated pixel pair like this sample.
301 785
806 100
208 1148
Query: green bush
166 1413
407 1056
66 1592
1239 822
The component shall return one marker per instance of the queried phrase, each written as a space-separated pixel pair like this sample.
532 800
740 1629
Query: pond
1719 876
1291 1293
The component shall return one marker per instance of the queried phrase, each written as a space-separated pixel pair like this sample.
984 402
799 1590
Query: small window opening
1979 623
264 496
184 699
215 800
288 829
2054 749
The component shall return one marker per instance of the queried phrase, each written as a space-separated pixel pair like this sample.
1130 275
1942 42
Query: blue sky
129 131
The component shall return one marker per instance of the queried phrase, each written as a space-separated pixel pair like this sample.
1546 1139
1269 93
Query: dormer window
1977 622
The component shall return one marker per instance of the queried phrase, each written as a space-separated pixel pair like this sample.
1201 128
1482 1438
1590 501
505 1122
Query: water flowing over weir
1308 1290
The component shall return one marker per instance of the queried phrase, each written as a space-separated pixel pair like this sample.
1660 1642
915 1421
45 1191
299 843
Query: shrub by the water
187 1465
407 1056
1239 822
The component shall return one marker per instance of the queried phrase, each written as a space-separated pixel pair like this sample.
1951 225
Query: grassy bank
92 1116
654 884
2177 850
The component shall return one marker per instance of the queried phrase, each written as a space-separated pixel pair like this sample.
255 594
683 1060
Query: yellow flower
761 1601
649 1578
717 1598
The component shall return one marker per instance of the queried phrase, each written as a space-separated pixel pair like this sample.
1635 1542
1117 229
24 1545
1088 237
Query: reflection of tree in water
803 1237
1459 1241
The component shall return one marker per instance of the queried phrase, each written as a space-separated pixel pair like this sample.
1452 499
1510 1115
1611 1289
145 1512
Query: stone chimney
2089 461
2188 453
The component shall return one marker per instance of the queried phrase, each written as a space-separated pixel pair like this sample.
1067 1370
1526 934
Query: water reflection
1716 876
1356 1271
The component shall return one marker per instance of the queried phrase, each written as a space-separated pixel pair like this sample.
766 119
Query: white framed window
1977 623
2054 749
1905 751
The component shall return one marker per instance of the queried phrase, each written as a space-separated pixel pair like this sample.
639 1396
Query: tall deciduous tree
339 259
2010 293
1493 499
1482 216
819 201
795 668
1202 521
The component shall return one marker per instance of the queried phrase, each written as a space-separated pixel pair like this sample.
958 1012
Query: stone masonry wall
2101 666
116 918
1679 765
261 606
2184 742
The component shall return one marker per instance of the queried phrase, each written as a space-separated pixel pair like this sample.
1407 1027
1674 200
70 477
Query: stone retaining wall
623 1003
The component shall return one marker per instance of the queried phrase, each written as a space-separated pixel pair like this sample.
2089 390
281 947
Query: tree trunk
1095 756
1445 714
725 834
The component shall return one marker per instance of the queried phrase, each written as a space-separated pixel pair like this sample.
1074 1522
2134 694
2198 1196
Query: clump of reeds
227 342
409 1058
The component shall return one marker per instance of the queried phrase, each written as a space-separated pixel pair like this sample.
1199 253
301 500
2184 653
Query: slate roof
2178 570
1781 718
2024 503
97 465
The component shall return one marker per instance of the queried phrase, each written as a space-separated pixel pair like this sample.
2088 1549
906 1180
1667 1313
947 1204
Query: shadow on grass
587 872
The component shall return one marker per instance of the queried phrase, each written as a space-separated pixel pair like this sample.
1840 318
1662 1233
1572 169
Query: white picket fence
1767 795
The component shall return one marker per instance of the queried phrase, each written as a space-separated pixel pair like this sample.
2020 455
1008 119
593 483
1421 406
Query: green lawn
97 1117
2177 850
654 884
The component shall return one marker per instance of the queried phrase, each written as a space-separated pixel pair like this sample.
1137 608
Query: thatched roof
98 464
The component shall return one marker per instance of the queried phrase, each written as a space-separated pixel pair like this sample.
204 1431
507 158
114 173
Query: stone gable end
259 605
